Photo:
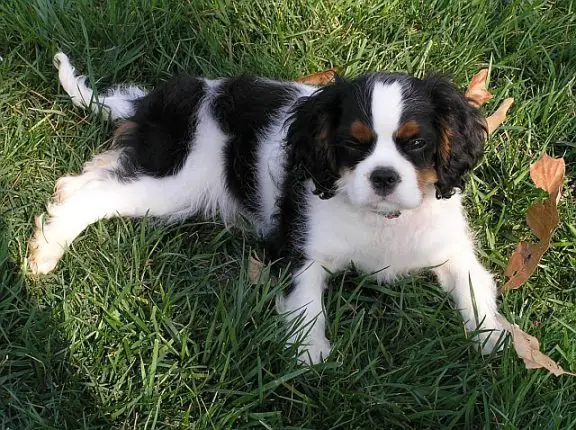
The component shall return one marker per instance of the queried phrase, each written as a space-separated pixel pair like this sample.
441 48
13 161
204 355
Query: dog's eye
353 144
350 142
414 144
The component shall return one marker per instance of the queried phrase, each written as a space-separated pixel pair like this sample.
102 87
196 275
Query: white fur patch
117 102
387 108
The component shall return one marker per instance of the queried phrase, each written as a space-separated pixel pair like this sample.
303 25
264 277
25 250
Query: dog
366 171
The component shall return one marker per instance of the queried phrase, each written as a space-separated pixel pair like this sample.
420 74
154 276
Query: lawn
152 326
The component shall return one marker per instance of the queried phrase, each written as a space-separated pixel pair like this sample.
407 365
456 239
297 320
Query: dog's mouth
392 215
389 215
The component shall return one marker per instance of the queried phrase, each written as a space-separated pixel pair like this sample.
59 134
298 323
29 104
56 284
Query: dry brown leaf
523 263
319 79
255 269
542 218
477 94
548 174
499 116
528 349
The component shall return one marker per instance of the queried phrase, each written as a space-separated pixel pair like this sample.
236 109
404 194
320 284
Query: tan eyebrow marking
361 132
408 130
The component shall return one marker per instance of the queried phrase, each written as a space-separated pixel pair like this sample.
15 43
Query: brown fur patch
444 148
408 130
425 177
122 128
361 132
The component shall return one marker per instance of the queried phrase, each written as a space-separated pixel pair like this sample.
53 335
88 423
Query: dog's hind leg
116 103
100 193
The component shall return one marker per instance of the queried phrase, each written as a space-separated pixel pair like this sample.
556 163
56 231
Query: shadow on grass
39 388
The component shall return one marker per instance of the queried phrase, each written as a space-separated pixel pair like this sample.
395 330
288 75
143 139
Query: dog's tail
116 103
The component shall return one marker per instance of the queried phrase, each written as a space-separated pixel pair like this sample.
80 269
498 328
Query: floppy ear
462 133
313 124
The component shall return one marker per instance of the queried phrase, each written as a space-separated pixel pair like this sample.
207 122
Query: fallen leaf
542 218
548 174
255 269
257 272
477 94
528 349
319 79
499 116
523 263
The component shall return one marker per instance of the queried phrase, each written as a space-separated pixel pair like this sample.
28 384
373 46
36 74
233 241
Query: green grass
145 326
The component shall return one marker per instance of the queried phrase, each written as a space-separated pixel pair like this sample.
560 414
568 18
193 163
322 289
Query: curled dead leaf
542 218
523 263
528 349
477 94
257 271
318 79
499 115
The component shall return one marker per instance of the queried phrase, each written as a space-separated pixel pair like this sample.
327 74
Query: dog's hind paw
43 256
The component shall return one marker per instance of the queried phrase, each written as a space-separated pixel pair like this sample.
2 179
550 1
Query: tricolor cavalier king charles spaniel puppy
365 171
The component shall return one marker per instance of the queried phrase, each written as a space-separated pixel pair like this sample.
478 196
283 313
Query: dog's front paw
491 336
60 59
314 350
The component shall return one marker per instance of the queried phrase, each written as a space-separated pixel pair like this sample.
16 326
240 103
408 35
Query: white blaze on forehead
386 108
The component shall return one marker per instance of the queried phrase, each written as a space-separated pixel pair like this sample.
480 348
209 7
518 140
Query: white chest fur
434 235
418 238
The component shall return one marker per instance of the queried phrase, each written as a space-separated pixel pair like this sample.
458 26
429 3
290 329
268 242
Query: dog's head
385 140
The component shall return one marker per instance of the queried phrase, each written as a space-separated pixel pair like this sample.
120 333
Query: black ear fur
313 123
462 129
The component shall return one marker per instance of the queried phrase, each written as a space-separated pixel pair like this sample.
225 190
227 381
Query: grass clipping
542 218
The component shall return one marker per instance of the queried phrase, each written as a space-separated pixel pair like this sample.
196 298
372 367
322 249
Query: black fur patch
290 226
244 107
321 137
159 136
464 129
287 240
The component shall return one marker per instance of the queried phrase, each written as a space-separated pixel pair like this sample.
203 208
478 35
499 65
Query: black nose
384 180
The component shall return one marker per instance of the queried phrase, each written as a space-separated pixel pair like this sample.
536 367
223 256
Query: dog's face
383 140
